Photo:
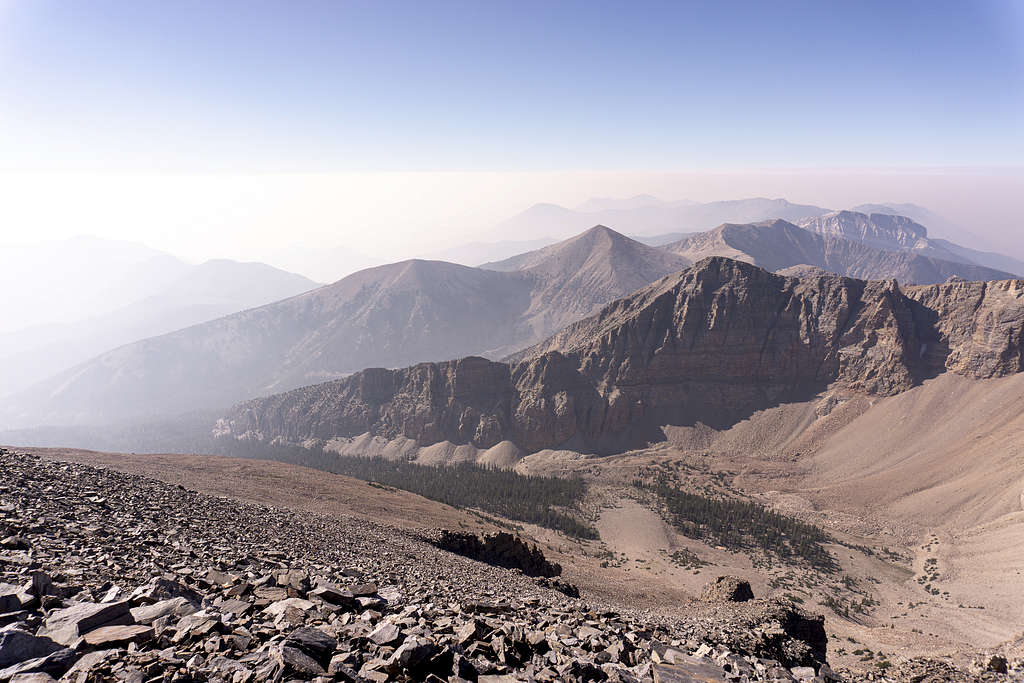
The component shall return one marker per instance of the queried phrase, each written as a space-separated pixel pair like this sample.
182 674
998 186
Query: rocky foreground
108 576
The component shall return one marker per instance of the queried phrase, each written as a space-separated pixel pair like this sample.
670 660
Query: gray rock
385 634
18 646
147 614
413 653
55 664
66 625
87 662
294 660
313 642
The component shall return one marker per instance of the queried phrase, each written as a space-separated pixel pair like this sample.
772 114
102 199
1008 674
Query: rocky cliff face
973 328
711 344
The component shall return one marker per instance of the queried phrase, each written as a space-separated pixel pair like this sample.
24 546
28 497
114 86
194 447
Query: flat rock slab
236 607
66 625
689 670
147 614
115 636
32 678
280 606
333 594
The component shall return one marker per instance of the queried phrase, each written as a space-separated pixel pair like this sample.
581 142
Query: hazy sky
217 128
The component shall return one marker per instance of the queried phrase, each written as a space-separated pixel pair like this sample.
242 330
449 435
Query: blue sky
316 86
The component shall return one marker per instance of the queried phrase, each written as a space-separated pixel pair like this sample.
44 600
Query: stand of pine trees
742 524
530 499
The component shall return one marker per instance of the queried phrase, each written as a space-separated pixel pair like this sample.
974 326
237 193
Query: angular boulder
18 646
66 625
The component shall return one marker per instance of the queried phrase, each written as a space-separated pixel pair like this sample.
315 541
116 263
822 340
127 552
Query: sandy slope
949 453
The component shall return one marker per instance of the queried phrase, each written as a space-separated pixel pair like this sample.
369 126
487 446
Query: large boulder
18 646
65 626
727 589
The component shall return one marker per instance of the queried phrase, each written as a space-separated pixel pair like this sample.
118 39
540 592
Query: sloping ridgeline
544 501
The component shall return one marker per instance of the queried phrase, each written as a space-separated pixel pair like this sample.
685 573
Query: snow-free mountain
389 316
777 244
901 233
416 311
110 293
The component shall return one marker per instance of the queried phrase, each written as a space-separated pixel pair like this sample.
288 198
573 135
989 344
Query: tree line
543 501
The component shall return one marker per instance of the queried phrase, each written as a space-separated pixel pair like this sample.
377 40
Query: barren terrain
929 540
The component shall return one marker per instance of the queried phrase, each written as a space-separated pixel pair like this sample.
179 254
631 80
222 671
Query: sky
238 128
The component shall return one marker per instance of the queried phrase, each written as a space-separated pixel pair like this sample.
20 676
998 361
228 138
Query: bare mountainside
387 316
777 244
710 345
586 272
199 293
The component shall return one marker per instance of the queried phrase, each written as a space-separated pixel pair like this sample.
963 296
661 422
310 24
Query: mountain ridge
418 310
195 294
778 244
391 315
708 345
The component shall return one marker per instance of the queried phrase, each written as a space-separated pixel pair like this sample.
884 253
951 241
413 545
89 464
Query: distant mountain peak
880 230
598 246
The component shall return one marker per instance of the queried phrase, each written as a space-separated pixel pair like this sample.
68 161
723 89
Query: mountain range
645 215
709 345
415 311
391 315
777 244
121 293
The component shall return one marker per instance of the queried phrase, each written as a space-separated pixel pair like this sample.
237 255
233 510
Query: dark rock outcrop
727 589
501 550
711 344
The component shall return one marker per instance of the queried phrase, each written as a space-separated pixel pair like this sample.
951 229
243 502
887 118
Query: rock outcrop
727 589
711 344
